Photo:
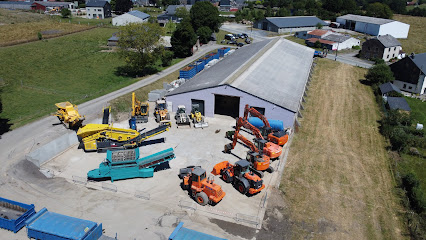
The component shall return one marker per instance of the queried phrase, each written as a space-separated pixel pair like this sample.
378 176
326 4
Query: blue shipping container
13 214
181 233
47 225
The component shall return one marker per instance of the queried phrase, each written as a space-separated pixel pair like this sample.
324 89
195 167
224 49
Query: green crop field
72 68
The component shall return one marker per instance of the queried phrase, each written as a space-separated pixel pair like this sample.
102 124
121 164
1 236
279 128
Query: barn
270 75
289 24
374 26
130 17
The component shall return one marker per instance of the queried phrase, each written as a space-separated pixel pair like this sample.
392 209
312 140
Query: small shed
398 103
181 233
387 88
113 41
49 225
130 17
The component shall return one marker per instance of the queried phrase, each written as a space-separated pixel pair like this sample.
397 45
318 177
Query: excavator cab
241 167
259 143
265 131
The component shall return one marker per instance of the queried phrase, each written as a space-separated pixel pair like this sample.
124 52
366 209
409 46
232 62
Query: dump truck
181 117
126 164
277 137
203 190
140 110
161 113
68 113
197 118
244 180
101 137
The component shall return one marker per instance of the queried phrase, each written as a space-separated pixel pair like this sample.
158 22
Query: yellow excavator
102 137
140 110
68 113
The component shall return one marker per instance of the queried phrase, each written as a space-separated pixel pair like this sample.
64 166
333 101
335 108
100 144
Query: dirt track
337 182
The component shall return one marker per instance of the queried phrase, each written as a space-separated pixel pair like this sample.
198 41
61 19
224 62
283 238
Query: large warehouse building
270 75
289 24
374 26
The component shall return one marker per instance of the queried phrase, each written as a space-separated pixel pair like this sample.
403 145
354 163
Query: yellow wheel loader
68 113
198 118
140 111
161 113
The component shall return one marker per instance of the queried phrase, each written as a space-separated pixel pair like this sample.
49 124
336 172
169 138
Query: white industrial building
374 26
270 75
130 17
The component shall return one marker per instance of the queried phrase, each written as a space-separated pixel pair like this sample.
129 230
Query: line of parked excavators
245 175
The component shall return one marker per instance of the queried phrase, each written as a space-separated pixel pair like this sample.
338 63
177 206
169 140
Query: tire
226 177
157 118
242 188
270 169
201 198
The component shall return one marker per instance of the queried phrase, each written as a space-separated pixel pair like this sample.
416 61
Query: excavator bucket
219 167
201 125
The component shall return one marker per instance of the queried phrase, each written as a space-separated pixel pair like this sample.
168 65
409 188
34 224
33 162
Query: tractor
244 180
181 117
203 190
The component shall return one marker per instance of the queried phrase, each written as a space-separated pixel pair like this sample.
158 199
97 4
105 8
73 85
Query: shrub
317 44
356 47
166 58
40 37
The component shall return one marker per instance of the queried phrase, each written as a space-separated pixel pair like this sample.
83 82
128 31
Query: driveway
349 58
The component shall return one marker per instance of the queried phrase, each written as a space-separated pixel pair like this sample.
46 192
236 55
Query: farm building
397 103
388 88
49 6
270 75
15 5
374 26
98 9
385 47
170 14
328 39
130 17
289 24
410 73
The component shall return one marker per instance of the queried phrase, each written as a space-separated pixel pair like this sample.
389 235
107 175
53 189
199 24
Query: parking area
199 147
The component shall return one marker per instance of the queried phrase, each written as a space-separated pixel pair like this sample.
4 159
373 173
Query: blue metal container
13 214
132 123
47 225
181 233
275 124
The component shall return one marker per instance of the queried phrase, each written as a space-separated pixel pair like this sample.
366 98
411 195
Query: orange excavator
277 137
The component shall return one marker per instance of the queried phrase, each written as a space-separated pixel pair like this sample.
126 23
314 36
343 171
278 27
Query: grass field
337 178
14 16
416 36
418 110
412 7
153 11
70 68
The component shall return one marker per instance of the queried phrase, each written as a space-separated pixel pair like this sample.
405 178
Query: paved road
256 34
349 58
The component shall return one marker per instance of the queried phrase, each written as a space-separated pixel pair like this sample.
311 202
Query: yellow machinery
100 137
198 118
140 111
161 113
68 113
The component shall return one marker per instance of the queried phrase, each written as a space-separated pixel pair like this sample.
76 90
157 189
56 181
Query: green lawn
70 68
418 110
412 7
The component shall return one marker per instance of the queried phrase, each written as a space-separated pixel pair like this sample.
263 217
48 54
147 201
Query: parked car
232 42
244 35
229 37
240 44
247 40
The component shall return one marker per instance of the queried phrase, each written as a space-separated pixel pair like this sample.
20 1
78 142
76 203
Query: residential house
374 26
388 88
328 39
410 73
130 17
225 5
385 47
397 103
289 24
343 41
170 14
98 9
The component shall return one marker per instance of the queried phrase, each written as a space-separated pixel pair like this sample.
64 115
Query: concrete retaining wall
51 149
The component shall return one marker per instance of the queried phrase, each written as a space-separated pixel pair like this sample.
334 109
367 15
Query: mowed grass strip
8 16
25 32
72 68
416 36
337 178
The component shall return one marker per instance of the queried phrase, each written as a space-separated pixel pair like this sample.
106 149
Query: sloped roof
359 18
318 32
273 70
298 21
336 37
313 40
388 87
96 3
16 3
53 4
171 9
420 61
398 103
388 41
139 14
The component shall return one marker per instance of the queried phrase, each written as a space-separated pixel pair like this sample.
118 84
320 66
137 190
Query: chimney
412 55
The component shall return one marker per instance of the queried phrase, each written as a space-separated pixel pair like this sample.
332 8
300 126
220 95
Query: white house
410 73
374 26
98 9
130 17
328 39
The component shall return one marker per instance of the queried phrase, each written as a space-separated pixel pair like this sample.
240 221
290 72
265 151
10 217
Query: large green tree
204 34
379 73
204 14
139 44
379 10
183 39
123 6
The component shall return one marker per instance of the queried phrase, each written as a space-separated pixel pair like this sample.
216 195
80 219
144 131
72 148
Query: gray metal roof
96 3
336 38
171 9
16 3
53 4
398 103
420 61
198 171
273 70
388 41
139 14
113 38
366 19
388 87
298 21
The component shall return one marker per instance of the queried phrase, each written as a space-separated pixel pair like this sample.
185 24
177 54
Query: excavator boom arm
255 113
246 124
